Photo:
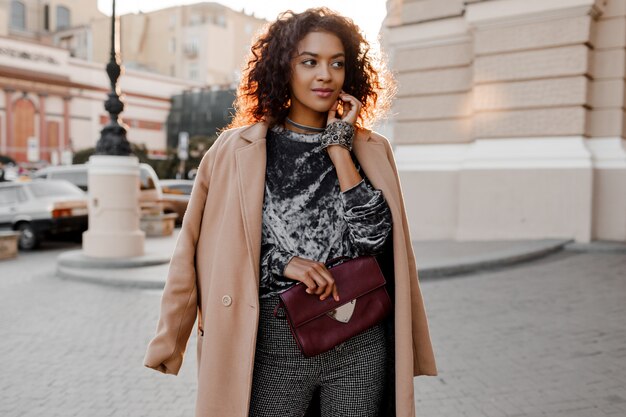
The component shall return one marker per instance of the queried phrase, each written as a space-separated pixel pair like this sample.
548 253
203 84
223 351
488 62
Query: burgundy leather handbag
318 326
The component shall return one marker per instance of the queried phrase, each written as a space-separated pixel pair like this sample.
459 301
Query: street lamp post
114 213
113 136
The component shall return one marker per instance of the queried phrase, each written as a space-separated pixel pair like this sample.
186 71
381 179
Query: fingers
315 276
316 284
323 280
330 281
355 107
332 113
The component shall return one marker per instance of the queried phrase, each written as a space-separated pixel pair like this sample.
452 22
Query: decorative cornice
443 31
568 152
503 13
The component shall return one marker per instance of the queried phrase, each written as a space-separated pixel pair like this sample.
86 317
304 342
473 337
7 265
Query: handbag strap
279 305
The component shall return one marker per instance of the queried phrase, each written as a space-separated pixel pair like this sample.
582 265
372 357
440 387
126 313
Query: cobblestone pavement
541 339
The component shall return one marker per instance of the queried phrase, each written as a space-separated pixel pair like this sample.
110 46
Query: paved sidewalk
434 259
543 338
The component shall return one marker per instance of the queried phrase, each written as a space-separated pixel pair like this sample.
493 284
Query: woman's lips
323 93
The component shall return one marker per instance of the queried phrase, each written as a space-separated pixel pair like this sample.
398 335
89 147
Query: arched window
63 17
18 15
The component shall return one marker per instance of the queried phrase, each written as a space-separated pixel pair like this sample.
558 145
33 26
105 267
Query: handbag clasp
343 313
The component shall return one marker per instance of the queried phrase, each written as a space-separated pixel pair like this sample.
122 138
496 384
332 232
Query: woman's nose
323 73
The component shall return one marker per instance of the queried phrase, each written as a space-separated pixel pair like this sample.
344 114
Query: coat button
226 300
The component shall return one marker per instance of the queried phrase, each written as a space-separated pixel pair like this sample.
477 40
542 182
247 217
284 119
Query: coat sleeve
179 300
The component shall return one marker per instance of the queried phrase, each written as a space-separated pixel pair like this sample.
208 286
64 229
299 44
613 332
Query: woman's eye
338 64
309 62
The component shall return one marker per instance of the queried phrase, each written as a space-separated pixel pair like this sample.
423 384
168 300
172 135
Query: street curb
597 247
135 272
78 259
493 260
141 278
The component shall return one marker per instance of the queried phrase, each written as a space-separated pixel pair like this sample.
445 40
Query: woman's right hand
314 275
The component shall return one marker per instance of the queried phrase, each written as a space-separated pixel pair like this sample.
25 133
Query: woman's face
318 73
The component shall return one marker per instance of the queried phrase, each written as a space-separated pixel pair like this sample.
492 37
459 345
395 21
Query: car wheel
28 237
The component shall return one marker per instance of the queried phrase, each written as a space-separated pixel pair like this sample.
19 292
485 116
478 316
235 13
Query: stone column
66 123
8 105
43 133
607 122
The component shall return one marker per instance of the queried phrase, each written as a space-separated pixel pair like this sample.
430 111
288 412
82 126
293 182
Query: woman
295 181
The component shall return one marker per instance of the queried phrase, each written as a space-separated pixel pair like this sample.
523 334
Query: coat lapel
251 165
251 160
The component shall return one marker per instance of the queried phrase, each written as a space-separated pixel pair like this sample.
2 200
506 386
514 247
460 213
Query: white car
150 194
41 209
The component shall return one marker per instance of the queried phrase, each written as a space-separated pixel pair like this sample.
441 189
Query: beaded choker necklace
304 127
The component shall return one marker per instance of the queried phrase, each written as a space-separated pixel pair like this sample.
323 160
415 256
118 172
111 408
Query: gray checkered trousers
350 376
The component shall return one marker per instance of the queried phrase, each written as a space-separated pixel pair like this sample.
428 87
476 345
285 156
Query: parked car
150 194
42 209
176 195
8 168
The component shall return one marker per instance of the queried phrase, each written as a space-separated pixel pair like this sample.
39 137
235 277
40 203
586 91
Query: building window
196 19
63 17
172 45
18 15
193 72
192 47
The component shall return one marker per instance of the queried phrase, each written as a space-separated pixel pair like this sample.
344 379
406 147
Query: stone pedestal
113 208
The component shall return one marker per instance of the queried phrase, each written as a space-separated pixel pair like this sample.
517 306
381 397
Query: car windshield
77 177
54 188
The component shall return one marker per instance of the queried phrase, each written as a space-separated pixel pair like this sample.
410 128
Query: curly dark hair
264 90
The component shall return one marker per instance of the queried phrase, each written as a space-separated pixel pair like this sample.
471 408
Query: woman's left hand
351 109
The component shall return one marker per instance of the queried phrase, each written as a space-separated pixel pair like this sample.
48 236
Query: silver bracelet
338 133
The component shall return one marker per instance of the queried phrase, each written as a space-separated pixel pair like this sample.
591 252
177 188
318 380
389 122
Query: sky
367 14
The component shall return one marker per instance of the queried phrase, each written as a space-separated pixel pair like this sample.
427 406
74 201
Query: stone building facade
510 120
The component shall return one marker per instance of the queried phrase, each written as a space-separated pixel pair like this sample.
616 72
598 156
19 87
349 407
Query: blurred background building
37 20
203 42
51 103
509 122
53 84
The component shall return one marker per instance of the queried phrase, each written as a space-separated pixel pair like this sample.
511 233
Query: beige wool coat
214 277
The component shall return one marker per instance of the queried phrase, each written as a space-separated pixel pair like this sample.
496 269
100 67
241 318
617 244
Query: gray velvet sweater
306 214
